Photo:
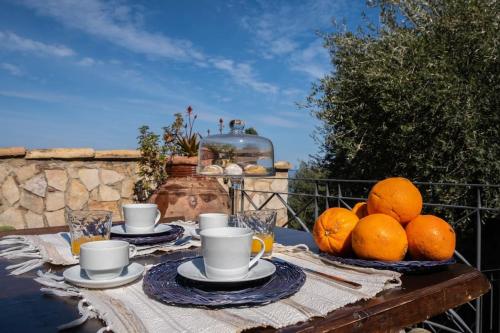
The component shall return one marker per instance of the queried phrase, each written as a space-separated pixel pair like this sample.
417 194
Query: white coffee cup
213 220
140 218
104 260
226 252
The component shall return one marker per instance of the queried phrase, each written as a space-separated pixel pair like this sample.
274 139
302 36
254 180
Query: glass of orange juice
262 222
88 226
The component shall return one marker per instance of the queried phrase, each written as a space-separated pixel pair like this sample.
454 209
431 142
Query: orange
360 209
332 230
396 197
430 238
379 237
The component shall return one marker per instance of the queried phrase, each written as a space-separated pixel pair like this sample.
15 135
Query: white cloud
280 122
312 60
243 74
293 92
86 62
12 69
122 26
12 41
116 25
41 96
282 29
115 62
282 46
279 26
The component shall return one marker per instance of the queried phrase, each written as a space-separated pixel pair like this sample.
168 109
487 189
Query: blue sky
89 73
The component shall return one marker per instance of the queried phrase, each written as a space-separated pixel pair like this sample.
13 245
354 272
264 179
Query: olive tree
417 96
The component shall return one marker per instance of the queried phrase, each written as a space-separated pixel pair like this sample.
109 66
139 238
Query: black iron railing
315 195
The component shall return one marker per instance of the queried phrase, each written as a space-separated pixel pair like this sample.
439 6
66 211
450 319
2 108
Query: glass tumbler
262 222
87 226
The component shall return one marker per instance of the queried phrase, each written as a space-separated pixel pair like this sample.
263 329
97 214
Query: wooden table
23 308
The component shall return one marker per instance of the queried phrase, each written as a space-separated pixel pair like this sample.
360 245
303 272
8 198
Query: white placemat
55 249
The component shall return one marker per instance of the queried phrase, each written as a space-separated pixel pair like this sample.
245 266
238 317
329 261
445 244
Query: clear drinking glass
262 222
87 226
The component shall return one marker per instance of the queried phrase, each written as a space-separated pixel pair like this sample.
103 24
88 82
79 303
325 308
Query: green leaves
151 164
189 144
178 139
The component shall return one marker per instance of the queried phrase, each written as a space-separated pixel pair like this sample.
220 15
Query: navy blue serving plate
405 266
163 284
169 236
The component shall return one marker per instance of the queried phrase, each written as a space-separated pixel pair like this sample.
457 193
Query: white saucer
75 275
159 229
195 270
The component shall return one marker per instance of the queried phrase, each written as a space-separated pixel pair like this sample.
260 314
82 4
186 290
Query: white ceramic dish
76 276
194 270
159 229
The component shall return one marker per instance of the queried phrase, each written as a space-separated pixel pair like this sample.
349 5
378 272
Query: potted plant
167 171
181 145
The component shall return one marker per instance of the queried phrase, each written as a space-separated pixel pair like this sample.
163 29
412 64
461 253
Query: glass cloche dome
236 154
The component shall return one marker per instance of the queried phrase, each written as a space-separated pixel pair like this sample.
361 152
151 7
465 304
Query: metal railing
325 193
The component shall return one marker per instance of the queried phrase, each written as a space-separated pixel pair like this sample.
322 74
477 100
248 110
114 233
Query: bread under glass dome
236 154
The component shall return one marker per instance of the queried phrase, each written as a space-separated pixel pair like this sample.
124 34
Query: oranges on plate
386 227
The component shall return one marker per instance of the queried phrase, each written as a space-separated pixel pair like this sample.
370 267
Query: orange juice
268 240
76 243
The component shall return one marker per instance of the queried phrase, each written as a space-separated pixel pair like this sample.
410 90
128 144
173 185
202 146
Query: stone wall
258 189
36 186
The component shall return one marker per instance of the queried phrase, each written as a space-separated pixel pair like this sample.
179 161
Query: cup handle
132 250
259 255
158 217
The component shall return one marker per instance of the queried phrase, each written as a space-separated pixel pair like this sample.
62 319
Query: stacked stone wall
37 186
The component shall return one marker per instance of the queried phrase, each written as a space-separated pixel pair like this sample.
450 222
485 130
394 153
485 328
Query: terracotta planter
185 194
182 166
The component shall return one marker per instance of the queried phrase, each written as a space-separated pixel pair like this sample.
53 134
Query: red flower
189 109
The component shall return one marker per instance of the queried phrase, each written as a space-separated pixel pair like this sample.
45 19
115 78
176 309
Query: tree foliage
151 169
251 131
417 97
298 184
